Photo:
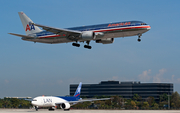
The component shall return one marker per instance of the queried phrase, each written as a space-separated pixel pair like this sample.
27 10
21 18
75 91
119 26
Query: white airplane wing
88 100
84 100
57 30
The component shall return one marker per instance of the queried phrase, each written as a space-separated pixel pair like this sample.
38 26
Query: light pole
168 101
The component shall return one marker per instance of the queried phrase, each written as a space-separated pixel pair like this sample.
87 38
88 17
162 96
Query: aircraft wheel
66 109
88 47
51 109
36 108
139 40
76 44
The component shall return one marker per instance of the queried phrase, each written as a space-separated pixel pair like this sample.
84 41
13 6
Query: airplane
102 33
63 102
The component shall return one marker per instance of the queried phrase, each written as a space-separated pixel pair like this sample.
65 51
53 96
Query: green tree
133 104
156 106
25 104
136 97
173 105
145 105
15 102
128 104
163 97
175 98
150 100
161 104
6 103
116 101
108 102
1 103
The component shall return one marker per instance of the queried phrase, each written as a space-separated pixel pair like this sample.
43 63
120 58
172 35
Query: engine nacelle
105 41
88 35
65 106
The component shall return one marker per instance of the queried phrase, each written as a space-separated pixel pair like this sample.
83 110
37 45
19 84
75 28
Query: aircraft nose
32 102
149 27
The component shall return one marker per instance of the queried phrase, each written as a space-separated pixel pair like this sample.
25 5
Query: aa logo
30 27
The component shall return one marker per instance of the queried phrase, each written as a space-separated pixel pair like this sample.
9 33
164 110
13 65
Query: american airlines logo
119 24
30 27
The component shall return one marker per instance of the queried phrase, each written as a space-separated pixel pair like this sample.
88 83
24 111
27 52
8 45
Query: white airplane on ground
64 102
102 33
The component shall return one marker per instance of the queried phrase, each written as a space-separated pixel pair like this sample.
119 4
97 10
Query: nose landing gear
139 40
139 36
36 107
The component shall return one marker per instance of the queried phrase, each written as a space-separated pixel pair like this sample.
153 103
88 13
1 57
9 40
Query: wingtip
10 33
21 12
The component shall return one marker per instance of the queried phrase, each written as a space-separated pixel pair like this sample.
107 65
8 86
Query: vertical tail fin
29 28
78 91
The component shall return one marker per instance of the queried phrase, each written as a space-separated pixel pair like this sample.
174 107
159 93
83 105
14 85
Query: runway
87 111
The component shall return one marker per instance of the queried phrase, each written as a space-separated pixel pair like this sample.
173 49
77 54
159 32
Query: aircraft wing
24 36
89 100
84 100
57 30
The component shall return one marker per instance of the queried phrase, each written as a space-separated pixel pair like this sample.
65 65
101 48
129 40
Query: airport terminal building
124 89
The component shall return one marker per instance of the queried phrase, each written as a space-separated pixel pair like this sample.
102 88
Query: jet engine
88 35
65 106
105 41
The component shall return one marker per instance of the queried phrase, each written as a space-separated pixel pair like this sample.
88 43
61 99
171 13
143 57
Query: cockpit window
143 24
34 100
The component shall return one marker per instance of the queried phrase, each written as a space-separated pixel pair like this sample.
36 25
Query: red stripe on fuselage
50 36
114 29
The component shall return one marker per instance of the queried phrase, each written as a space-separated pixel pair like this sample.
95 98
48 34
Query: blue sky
33 69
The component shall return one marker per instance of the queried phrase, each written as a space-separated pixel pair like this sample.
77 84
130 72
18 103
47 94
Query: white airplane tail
29 28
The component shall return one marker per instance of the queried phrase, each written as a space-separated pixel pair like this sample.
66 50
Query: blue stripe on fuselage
69 98
44 33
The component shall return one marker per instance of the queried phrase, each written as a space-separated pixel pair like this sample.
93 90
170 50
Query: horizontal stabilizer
24 36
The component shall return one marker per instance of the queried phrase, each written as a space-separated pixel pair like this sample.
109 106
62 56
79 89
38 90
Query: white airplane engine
88 35
105 41
65 106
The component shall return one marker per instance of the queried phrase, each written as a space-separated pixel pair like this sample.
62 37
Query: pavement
86 111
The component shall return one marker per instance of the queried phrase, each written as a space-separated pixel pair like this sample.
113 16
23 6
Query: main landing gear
85 46
139 36
76 44
51 109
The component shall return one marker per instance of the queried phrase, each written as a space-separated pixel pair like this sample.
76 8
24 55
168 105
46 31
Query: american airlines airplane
63 102
102 33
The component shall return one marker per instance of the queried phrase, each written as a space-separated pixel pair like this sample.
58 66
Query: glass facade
125 89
